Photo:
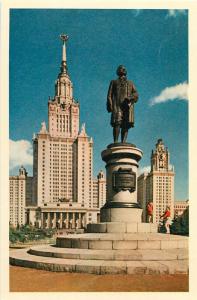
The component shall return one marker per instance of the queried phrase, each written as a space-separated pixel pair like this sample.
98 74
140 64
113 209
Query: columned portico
61 219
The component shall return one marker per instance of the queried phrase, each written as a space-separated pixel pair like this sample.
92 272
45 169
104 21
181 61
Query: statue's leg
124 134
116 132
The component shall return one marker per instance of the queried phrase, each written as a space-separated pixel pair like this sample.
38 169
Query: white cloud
175 13
21 153
145 169
177 92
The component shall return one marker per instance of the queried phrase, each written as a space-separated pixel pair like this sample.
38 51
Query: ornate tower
160 157
63 159
63 110
158 185
22 172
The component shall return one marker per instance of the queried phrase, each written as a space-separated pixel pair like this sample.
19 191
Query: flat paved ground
32 280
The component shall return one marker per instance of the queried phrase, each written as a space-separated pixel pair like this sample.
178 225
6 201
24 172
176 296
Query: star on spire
64 38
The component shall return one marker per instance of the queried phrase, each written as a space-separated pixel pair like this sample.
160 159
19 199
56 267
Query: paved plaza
45 281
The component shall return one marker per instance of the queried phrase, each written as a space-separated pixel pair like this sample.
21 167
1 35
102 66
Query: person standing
150 212
167 219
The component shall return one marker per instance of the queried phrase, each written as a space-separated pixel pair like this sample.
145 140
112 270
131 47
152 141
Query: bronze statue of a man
121 97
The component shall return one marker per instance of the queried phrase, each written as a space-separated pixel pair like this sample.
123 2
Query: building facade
180 207
63 163
99 190
142 194
157 186
20 190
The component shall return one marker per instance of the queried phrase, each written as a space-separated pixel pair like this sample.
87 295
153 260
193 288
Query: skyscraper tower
63 110
63 156
157 186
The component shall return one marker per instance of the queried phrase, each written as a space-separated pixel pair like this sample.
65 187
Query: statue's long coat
122 112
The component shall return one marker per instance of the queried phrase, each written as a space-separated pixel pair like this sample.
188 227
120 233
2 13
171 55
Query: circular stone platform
126 227
109 253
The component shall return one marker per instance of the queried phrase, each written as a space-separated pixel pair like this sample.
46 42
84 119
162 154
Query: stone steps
118 241
124 254
23 258
109 253
117 227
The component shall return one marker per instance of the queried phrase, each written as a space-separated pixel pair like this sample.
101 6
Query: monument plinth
121 174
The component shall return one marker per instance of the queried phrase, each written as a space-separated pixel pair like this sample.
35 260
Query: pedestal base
121 173
122 227
121 214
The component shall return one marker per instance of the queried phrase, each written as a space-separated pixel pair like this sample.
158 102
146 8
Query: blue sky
152 44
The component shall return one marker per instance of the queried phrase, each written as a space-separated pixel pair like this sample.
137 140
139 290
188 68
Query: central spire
63 84
64 39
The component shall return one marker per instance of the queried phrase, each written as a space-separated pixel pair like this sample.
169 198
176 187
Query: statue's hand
128 100
131 100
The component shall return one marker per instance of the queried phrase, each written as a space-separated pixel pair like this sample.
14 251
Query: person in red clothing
150 212
167 219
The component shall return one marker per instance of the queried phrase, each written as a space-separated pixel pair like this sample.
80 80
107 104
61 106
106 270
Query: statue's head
121 70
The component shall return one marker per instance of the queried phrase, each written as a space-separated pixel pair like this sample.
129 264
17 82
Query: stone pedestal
121 174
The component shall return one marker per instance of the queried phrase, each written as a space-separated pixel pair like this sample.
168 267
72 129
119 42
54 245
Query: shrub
27 233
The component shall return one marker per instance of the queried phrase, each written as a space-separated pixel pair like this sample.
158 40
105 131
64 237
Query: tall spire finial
64 38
